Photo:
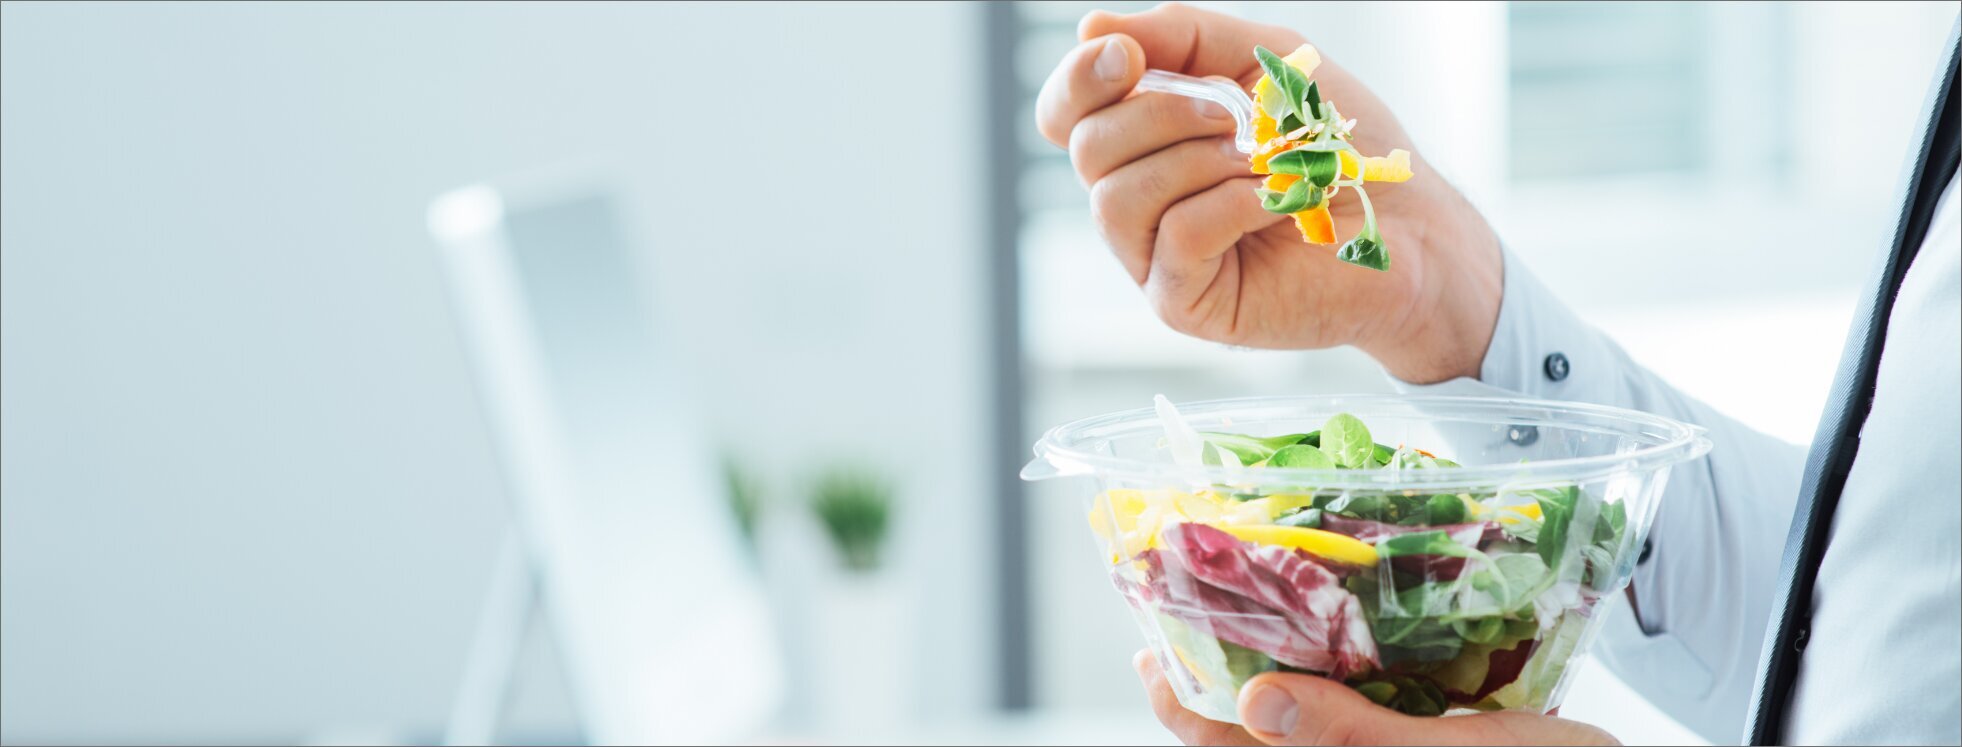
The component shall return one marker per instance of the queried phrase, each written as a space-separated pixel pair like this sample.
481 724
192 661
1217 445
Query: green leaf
1379 693
1288 81
1214 455
1445 509
1278 442
1310 518
1521 528
1289 122
1363 251
1373 507
1366 249
1382 455
1607 529
1346 441
1311 164
1481 630
1424 543
1251 450
1243 663
1523 577
1301 195
1314 100
1556 515
1600 565
1300 457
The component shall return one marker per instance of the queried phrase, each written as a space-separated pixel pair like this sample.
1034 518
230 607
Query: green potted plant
854 506
859 618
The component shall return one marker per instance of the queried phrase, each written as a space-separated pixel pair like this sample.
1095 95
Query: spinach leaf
1289 122
1409 509
1556 514
1378 692
1301 195
1521 527
1382 455
1302 457
1310 518
1312 165
1522 577
1412 696
1288 81
1480 630
1424 543
1607 529
1444 509
1600 566
1366 249
1373 507
1243 663
1421 639
1346 440
1249 448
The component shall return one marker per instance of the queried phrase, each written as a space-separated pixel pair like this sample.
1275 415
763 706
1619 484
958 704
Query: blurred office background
251 496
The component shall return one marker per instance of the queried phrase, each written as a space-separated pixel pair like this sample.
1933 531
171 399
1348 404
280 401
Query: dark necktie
1838 438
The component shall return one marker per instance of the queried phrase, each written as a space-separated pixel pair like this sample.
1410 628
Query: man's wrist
1450 322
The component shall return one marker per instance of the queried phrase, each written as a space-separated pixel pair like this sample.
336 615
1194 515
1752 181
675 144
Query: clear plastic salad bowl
1437 554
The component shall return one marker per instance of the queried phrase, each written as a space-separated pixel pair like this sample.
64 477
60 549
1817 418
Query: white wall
248 494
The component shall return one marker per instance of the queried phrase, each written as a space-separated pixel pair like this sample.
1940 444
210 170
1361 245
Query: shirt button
1556 367
1523 435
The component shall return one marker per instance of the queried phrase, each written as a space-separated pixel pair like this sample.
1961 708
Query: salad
1424 603
1305 152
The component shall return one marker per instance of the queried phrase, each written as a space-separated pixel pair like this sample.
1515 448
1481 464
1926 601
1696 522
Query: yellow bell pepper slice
1129 520
1322 543
1529 510
1391 168
1265 128
1316 225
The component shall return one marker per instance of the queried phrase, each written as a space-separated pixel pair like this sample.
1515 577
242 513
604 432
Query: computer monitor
620 518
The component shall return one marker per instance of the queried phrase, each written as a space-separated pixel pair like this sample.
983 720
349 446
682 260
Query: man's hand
1176 203
1305 710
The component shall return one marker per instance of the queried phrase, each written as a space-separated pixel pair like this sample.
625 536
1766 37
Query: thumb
1188 40
1296 709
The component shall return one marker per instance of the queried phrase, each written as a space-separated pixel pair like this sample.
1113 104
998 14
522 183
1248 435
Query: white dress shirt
1885 655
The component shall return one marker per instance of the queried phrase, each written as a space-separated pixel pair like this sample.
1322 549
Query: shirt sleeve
1707 580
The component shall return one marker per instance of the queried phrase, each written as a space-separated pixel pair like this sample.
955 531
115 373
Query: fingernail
1112 62
1271 711
1210 109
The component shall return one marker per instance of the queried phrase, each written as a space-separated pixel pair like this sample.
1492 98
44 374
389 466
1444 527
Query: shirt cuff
1539 349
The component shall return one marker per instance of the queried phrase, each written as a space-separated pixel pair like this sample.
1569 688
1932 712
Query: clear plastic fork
1224 93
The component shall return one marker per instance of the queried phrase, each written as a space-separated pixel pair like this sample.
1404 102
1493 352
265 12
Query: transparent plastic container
1431 587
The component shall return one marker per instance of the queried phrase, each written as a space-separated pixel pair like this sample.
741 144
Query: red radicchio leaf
1269 599
1469 535
1430 567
